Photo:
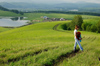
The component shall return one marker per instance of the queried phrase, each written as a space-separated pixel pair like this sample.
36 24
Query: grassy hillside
92 21
7 13
39 44
4 29
91 54
46 43
29 40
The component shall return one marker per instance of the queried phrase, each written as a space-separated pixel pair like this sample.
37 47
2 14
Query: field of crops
44 44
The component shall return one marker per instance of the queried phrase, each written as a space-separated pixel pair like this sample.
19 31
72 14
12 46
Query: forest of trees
66 12
15 11
82 25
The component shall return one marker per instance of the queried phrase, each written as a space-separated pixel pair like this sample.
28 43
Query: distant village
45 18
52 19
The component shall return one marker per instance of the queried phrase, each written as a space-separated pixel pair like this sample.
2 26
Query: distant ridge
4 9
15 11
80 6
34 5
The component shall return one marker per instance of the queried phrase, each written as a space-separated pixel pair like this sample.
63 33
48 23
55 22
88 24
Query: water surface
13 22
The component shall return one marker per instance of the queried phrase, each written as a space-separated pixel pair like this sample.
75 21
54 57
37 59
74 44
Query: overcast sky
52 1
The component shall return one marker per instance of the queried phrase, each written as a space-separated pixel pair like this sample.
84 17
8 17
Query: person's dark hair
76 26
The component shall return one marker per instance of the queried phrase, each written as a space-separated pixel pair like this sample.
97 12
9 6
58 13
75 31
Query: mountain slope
87 7
4 9
62 5
14 11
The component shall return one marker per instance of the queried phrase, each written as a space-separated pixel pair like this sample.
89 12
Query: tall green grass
91 54
39 44
2 29
17 43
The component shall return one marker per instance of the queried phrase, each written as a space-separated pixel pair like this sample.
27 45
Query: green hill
8 13
4 29
44 44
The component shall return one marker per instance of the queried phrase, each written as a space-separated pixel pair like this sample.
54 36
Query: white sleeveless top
74 33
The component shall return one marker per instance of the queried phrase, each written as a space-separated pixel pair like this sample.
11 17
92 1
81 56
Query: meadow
45 43
39 44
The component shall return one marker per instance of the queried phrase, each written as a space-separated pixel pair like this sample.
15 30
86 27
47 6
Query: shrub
98 27
83 26
93 28
68 26
64 26
88 28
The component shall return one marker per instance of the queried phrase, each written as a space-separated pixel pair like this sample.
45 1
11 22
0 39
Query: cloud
14 0
52 1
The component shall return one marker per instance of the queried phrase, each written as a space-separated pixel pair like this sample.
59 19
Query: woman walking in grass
77 39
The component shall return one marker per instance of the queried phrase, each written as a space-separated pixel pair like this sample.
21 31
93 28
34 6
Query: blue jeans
77 42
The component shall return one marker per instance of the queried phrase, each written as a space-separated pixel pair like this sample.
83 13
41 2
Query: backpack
78 35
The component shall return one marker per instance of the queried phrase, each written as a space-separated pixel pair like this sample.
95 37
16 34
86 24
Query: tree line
82 25
91 27
15 11
66 12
